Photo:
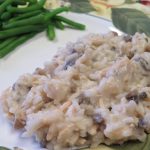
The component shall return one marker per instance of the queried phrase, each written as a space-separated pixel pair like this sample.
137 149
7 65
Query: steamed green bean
20 30
26 15
4 5
76 25
18 24
51 32
17 42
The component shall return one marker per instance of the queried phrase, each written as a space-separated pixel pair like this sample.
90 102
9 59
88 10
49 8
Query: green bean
6 42
1 1
4 5
59 24
5 16
14 44
12 9
40 19
1 23
26 15
34 7
28 21
16 2
19 2
20 30
1 41
51 32
55 12
70 22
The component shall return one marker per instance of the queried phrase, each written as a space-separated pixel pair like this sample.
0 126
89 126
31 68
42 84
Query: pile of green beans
20 20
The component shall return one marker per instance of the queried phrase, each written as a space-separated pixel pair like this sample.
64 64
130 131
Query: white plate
31 55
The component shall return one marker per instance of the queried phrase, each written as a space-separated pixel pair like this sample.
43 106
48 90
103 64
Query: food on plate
95 90
23 19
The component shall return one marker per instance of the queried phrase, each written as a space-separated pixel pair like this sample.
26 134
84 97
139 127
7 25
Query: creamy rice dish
96 90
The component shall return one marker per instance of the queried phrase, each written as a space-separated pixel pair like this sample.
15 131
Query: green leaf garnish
130 21
131 145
